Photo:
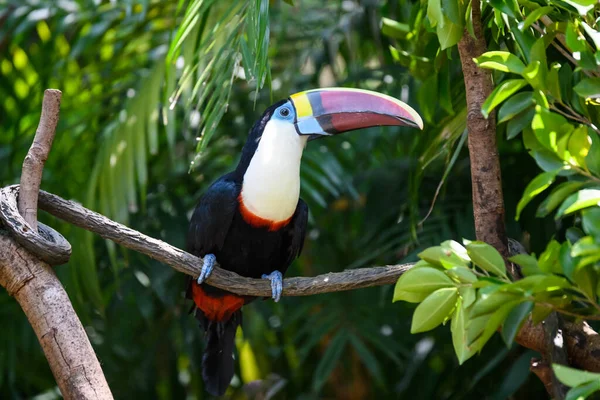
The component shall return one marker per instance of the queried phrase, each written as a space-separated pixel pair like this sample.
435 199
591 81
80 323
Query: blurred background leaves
157 99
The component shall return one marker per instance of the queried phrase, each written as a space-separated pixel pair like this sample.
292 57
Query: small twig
33 165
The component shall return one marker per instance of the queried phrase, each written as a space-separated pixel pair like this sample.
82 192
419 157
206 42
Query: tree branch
583 344
486 178
191 265
36 287
33 165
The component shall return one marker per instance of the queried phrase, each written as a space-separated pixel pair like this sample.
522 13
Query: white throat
271 187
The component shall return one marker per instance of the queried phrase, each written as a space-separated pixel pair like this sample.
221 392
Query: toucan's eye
284 112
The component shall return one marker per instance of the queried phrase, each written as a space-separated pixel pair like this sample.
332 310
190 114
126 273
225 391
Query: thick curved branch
80 216
36 287
33 165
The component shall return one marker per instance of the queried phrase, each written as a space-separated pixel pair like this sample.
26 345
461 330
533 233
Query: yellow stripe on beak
302 104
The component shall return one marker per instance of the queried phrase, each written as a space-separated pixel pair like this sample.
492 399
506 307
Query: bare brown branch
33 165
33 282
188 264
48 308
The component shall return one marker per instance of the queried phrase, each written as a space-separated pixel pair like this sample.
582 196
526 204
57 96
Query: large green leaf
501 93
501 61
434 310
485 256
535 187
583 199
415 285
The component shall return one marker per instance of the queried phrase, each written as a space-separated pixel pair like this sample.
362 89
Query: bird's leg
276 284
207 267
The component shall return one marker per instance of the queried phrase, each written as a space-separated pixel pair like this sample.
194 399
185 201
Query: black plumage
218 227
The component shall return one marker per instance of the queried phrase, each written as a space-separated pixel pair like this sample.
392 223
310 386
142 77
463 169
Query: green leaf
451 9
548 126
515 105
567 262
441 256
588 88
548 260
416 284
501 93
468 295
434 310
583 391
534 74
583 199
496 319
519 122
575 41
489 303
507 7
587 279
535 187
501 61
394 29
556 197
592 160
528 263
549 161
574 377
434 12
514 321
459 334
591 222
534 16
487 258
462 274
584 247
449 33
578 145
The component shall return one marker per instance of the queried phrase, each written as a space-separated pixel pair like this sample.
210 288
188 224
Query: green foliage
545 61
146 85
582 383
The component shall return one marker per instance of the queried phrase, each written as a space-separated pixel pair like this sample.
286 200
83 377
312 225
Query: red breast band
259 222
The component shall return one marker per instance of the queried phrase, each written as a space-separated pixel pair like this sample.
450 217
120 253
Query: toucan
252 220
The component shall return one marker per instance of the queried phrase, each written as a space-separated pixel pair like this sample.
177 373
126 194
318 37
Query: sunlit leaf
434 310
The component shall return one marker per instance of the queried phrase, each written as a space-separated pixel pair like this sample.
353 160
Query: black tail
217 362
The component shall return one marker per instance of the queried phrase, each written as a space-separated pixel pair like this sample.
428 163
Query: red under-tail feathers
219 317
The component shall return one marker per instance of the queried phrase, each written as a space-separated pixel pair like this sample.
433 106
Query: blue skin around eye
291 113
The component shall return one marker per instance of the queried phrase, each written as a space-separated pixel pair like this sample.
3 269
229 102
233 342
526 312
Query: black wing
212 217
295 232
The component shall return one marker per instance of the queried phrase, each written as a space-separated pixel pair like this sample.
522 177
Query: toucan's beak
335 110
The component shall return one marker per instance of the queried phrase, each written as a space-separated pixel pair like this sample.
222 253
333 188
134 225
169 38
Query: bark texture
488 201
48 308
33 166
32 281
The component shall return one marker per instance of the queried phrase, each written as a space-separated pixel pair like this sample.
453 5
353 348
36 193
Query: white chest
271 187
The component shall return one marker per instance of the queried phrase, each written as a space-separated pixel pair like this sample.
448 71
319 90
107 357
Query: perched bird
253 221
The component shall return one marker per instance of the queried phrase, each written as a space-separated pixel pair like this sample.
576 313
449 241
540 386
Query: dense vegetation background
147 124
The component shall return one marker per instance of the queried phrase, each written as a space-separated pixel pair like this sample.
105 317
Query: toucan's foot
207 267
276 284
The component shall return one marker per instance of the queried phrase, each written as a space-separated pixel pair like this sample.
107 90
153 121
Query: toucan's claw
207 267
276 284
